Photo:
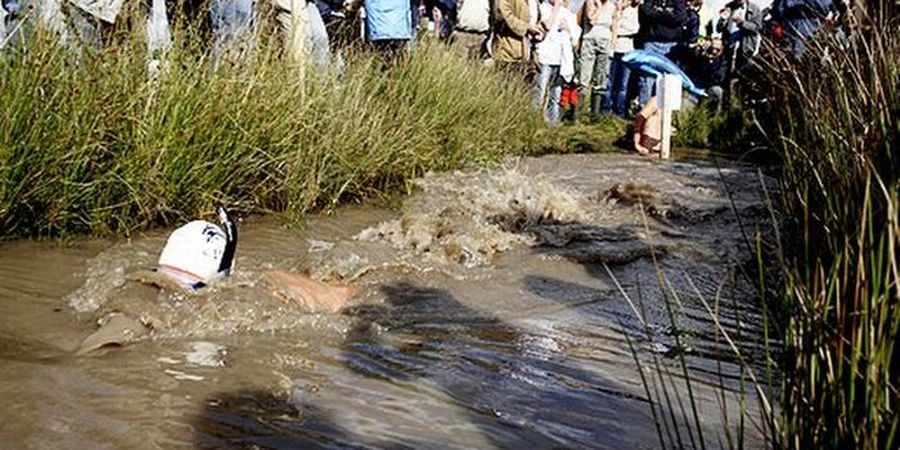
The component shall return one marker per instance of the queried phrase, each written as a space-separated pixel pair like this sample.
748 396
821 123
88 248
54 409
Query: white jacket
557 42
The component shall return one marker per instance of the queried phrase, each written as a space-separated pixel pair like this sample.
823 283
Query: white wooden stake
666 133
668 98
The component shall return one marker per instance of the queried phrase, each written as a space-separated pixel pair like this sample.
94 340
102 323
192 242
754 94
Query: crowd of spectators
575 52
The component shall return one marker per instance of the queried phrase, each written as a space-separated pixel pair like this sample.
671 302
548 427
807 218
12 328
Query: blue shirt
388 19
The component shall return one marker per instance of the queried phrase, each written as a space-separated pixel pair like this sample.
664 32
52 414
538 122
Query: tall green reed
90 143
833 116
838 134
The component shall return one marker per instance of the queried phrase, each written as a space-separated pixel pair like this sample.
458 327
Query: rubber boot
596 103
582 107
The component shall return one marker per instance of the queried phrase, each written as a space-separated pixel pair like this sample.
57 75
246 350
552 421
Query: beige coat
511 19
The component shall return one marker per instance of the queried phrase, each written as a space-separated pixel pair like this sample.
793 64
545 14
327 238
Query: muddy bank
492 313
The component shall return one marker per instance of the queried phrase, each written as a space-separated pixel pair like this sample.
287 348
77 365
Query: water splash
467 218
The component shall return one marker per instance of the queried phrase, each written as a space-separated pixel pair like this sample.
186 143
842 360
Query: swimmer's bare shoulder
121 325
115 330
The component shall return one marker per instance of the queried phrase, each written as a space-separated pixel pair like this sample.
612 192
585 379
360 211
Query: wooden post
666 152
668 99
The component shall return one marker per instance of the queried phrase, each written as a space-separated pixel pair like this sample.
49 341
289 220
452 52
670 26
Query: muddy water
493 313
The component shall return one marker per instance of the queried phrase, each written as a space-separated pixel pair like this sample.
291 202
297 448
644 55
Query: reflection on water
488 319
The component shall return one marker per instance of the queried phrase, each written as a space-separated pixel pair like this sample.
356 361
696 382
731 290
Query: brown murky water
488 319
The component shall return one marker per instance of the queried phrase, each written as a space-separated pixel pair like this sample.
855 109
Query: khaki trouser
469 44
594 59
305 37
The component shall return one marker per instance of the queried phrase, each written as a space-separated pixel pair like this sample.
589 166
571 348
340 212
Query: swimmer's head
199 252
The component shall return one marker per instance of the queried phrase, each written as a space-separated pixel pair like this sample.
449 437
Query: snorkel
231 235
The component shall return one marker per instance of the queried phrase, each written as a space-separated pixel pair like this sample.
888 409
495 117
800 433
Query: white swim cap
196 248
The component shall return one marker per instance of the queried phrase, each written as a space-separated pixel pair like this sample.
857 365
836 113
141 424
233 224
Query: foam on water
207 354
456 224
467 217
107 271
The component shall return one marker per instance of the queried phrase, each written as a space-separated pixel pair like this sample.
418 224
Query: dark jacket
704 71
661 20
749 31
690 30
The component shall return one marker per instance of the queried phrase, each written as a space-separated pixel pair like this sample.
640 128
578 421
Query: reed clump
836 126
728 131
832 296
91 143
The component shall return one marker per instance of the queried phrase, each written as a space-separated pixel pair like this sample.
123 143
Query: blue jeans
231 21
548 87
614 99
318 34
159 38
648 82
798 30
9 28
